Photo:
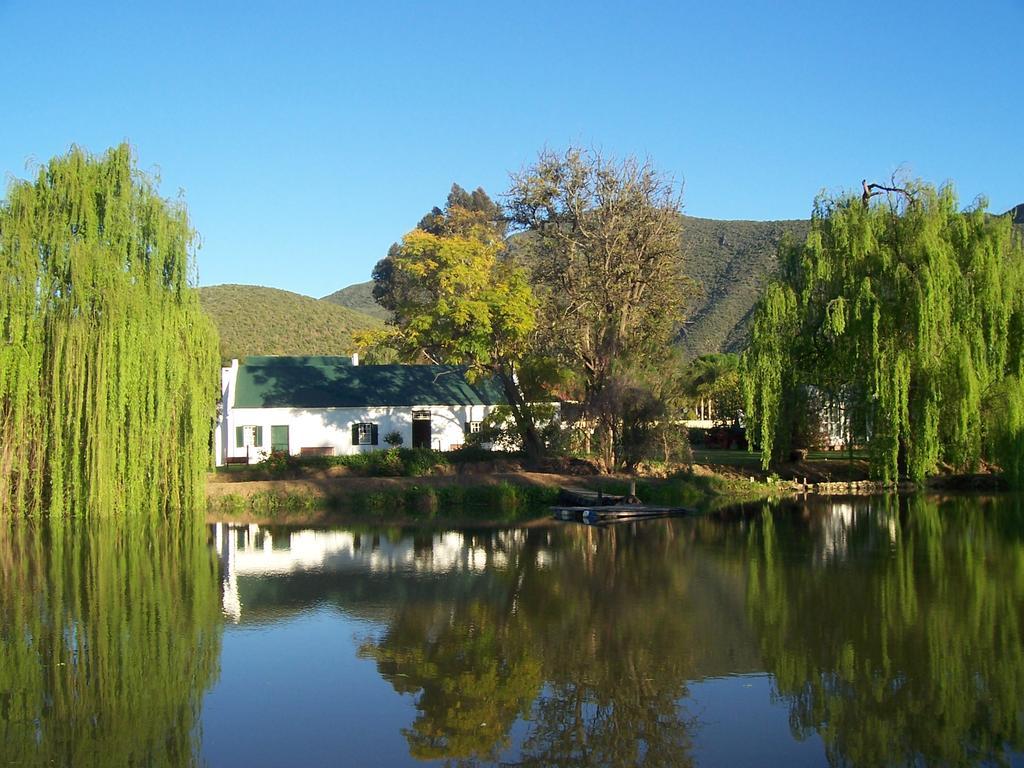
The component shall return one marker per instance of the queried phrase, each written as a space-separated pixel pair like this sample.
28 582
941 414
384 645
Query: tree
908 312
464 214
712 384
455 300
648 397
601 240
108 365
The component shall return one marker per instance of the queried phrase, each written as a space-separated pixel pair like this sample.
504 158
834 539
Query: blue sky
308 136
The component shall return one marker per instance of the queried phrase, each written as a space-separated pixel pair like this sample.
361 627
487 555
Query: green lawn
742 458
735 458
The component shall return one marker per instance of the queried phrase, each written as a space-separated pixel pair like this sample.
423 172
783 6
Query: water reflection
910 648
890 629
587 637
868 632
109 635
598 672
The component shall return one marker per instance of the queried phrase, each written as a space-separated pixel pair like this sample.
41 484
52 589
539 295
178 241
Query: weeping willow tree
908 312
110 633
107 365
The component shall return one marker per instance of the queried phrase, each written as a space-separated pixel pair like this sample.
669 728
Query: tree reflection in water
892 628
109 636
905 646
590 649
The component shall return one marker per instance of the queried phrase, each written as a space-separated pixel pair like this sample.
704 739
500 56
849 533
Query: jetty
596 508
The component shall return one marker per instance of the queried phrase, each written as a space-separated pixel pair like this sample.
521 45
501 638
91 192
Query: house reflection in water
264 552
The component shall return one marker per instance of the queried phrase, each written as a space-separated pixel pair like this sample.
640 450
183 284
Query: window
248 435
472 427
364 434
279 438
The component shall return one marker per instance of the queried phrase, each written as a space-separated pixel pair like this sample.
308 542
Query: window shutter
373 434
465 428
239 437
257 438
355 434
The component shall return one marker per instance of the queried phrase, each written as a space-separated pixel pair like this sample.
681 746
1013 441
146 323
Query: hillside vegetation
731 261
254 320
360 298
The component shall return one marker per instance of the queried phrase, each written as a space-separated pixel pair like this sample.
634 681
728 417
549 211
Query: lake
858 632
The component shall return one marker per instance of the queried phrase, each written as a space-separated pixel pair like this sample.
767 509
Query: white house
334 406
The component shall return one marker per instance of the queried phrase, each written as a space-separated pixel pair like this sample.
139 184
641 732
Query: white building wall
221 436
332 427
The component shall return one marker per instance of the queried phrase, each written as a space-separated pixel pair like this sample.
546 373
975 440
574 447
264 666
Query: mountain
360 298
729 260
253 320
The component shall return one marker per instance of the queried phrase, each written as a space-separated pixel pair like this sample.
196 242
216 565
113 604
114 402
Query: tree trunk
533 446
903 460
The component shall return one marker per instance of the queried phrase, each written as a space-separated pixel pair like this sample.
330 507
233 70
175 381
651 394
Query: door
421 429
279 438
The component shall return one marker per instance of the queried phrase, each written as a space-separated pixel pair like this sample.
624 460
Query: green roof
295 360
333 382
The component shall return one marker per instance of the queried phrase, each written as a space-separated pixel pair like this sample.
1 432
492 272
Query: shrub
377 501
276 463
421 501
393 462
452 497
420 461
394 438
386 463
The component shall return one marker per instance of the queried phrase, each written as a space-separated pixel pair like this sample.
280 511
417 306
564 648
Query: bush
276 463
394 438
452 497
386 463
421 501
376 501
393 462
673 492
471 454
420 461
505 500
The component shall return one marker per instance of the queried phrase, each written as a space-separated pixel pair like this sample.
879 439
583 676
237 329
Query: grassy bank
473 486
500 501
498 490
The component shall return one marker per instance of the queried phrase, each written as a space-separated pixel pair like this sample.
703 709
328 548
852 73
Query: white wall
332 427
221 436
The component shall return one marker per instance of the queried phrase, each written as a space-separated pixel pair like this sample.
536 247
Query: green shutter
373 434
355 434
465 428
239 437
